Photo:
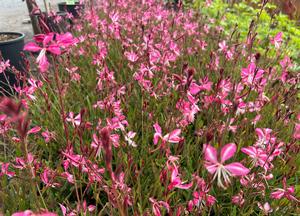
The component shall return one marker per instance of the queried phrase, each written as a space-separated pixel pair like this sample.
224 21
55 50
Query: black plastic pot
73 9
11 50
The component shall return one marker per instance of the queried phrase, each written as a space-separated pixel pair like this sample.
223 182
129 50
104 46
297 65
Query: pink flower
297 131
25 213
216 167
223 47
4 170
131 56
157 205
48 136
265 137
34 130
176 181
48 45
266 208
285 192
154 56
252 75
172 137
259 157
30 213
208 3
238 199
277 40
47 177
69 177
65 40
204 86
4 65
130 135
201 197
75 120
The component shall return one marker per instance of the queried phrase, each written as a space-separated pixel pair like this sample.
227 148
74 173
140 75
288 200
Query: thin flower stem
63 115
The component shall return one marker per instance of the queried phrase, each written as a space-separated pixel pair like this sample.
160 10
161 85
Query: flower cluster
140 109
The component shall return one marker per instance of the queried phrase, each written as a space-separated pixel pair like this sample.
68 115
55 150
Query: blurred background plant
239 15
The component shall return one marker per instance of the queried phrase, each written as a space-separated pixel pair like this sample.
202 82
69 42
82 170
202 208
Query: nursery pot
11 46
71 8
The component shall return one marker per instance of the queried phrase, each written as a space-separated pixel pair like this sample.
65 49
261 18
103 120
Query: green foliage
242 14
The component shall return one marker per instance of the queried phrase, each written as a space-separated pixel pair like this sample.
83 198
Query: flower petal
277 194
184 186
210 153
173 137
54 49
250 150
237 169
32 47
211 168
228 151
157 128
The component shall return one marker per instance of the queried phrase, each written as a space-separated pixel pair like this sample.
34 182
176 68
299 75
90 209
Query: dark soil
8 37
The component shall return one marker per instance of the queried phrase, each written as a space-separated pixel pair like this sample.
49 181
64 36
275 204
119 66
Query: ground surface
14 12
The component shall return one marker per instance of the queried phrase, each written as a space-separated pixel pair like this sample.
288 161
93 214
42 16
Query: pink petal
210 153
291 189
211 168
47 39
174 174
194 88
175 133
43 63
184 186
157 128
277 194
259 133
173 137
25 213
249 150
278 37
91 208
34 130
156 210
237 169
32 47
39 38
267 207
228 151
165 204
54 49
156 138
251 67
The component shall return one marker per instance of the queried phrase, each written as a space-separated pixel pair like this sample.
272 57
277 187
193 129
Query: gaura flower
285 192
129 138
277 40
217 167
157 205
30 213
75 120
176 181
258 156
266 208
51 43
47 45
172 137
252 75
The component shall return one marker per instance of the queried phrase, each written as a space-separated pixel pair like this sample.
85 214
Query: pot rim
65 4
21 37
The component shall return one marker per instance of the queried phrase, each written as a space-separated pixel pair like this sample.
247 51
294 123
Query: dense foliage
239 17
146 110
